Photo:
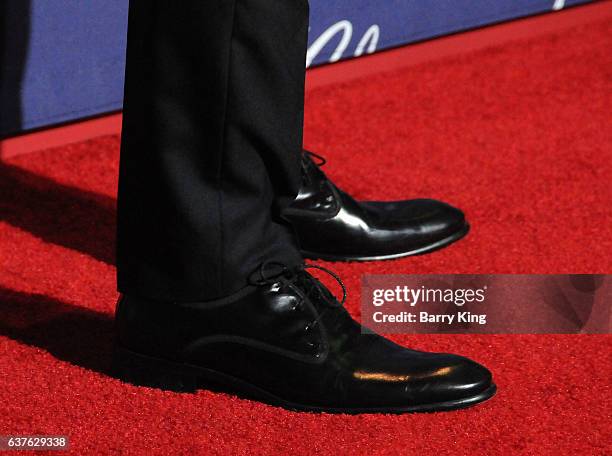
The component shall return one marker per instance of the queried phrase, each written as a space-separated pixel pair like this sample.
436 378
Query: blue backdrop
64 59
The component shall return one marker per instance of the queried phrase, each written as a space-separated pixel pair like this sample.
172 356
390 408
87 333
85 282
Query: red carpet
518 135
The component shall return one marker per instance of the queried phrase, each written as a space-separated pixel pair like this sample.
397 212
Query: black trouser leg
212 136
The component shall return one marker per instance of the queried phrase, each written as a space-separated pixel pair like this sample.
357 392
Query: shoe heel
142 370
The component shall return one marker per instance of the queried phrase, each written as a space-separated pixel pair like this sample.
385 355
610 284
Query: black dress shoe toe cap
432 218
462 378
426 378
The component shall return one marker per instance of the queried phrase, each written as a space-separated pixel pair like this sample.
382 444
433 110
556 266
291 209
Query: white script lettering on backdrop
366 45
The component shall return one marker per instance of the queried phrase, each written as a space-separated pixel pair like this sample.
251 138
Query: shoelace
310 284
316 159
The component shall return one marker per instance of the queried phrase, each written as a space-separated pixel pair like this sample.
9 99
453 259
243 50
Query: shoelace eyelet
314 345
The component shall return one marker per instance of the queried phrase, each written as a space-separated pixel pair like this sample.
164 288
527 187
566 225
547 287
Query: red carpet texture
518 135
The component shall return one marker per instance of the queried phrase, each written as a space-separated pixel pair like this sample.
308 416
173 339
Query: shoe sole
419 251
143 370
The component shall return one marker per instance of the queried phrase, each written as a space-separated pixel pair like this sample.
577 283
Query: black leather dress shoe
331 225
287 342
